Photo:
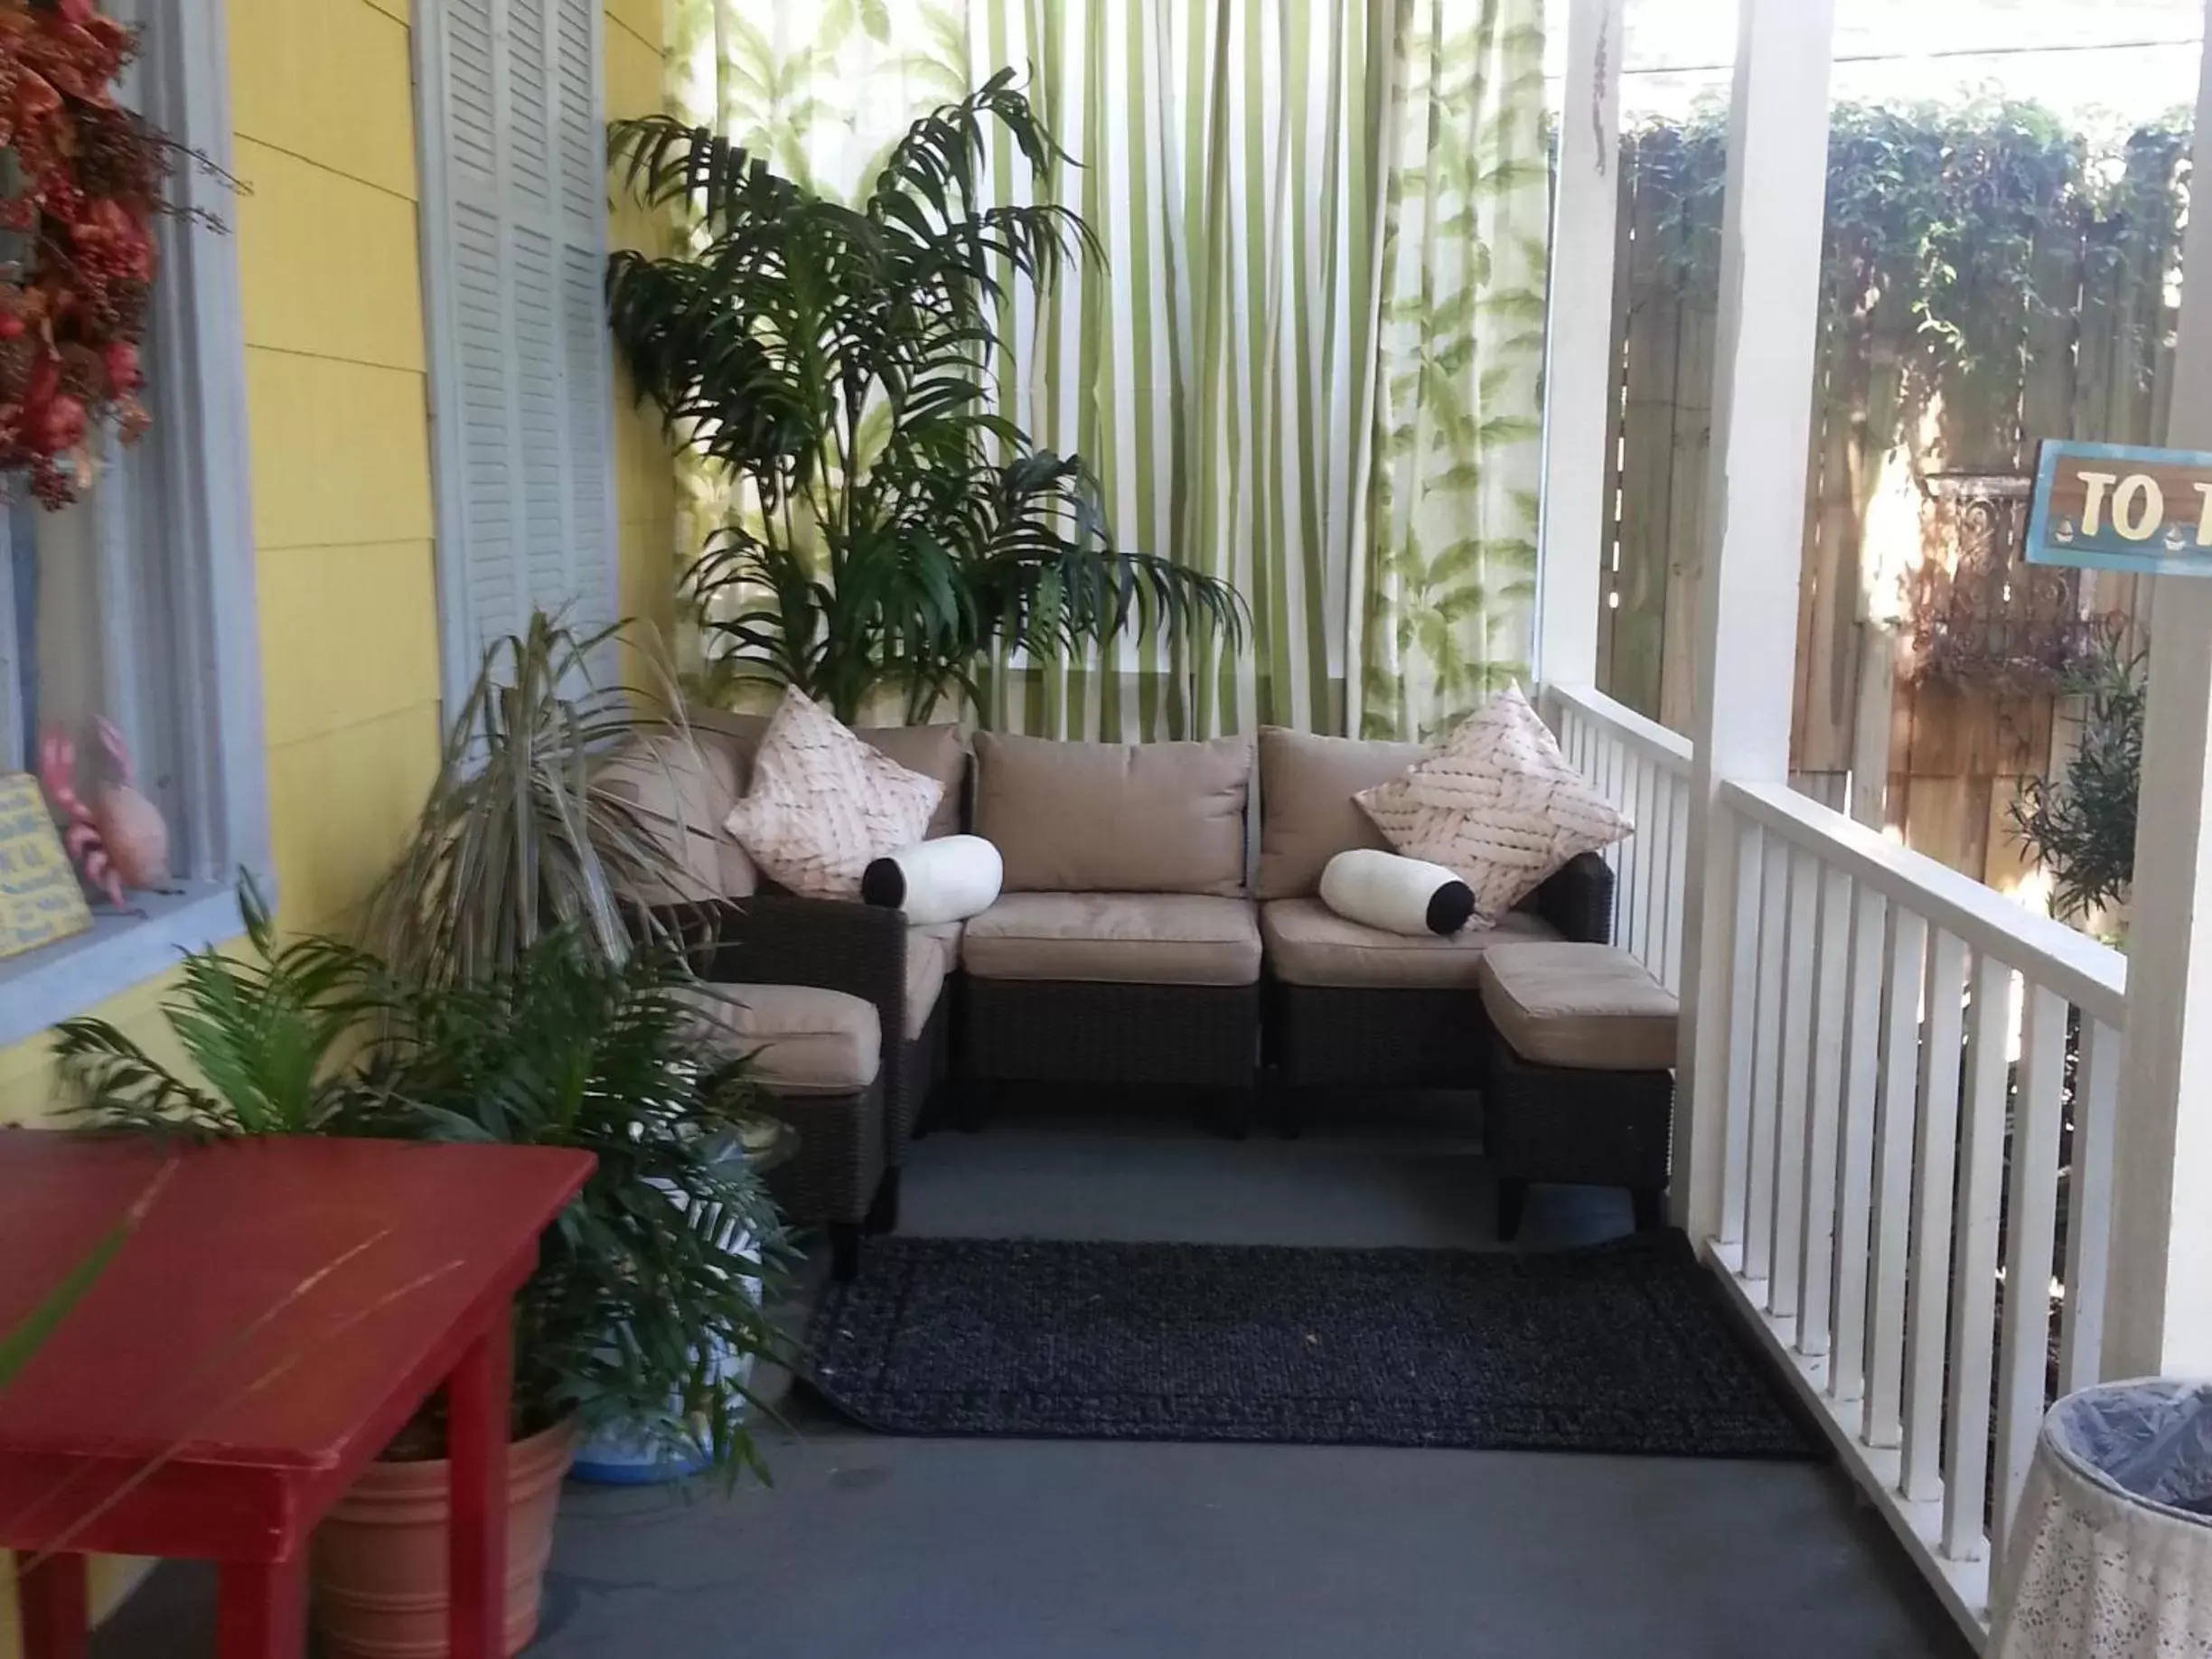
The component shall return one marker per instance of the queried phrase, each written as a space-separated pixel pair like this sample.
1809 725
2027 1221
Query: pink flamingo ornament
80 835
136 833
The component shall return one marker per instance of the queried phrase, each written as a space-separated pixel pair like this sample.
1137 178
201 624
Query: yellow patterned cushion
823 804
1498 804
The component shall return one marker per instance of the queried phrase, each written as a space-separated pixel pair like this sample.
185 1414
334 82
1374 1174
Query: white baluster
1855 1140
1610 766
1823 1113
1824 1079
1767 1062
1935 1161
1628 857
1789 1143
1678 875
2090 1188
1652 827
1973 1260
2031 1216
1742 1026
1899 1102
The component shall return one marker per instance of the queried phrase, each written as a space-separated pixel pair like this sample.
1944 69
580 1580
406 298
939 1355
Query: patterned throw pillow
1498 804
824 805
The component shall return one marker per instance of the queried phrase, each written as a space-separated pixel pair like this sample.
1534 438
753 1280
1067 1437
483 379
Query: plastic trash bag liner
2153 1441
2109 1555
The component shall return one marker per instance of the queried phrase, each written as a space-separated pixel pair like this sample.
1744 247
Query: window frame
211 637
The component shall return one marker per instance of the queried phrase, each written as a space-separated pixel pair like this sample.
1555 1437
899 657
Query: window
515 241
137 602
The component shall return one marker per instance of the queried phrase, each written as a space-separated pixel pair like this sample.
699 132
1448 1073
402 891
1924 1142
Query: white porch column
1770 251
2159 1310
1579 418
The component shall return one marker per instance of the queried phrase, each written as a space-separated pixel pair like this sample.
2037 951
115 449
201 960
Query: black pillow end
1450 907
884 885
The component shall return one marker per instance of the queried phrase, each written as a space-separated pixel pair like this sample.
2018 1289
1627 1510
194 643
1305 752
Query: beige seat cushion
1306 813
939 752
1115 816
1307 944
802 1040
682 792
932 952
1120 938
1579 1005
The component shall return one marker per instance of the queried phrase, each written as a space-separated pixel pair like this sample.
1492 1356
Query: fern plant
2081 825
895 525
272 1034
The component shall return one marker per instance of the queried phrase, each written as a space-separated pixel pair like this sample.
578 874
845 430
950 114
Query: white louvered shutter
514 211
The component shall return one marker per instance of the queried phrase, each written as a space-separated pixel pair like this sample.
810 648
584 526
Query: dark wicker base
833 1176
1055 1031
1564 1124
922 1066
1331 1037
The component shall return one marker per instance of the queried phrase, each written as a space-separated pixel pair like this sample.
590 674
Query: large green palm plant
893 524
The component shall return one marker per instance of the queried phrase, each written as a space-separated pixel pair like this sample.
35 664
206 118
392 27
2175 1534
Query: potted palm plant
893 524
633 1303
513 992
518 836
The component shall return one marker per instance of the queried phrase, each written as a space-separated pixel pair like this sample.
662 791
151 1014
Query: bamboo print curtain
1311 360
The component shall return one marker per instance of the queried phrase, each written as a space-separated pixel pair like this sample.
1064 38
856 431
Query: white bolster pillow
1396 893
949 879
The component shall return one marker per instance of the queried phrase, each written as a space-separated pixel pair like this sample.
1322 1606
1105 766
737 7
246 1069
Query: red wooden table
280 1311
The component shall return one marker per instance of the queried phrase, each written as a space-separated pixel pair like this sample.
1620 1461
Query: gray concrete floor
869 1548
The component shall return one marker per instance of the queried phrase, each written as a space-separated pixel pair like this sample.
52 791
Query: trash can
2111 1555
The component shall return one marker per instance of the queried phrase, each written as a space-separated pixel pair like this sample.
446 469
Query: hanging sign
2115 507
40 900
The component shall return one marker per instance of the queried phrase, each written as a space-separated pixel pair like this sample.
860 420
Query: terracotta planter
378 1562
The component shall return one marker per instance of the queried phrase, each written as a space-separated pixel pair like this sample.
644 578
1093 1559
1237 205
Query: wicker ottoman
1579 1082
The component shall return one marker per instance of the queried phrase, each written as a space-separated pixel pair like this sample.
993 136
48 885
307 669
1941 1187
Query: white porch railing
1903 1044
1893 1025
1643 769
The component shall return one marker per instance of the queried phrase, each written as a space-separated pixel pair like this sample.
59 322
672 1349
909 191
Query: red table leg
476 1404
50 1598
261 1610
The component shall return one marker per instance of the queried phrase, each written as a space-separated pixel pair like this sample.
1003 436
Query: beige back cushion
1306 813
682 792
1115 816
939 752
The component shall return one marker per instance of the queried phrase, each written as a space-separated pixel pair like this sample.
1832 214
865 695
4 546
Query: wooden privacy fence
1990 278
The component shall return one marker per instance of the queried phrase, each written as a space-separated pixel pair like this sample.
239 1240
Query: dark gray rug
1621 1348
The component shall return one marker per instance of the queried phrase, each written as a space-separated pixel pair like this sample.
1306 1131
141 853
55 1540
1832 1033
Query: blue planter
619 1455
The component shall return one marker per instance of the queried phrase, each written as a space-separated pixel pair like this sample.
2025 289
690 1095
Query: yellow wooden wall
324 112
644 479
327 243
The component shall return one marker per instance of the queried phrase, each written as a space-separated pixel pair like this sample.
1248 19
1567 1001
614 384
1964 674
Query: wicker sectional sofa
1351 1007
1159 926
